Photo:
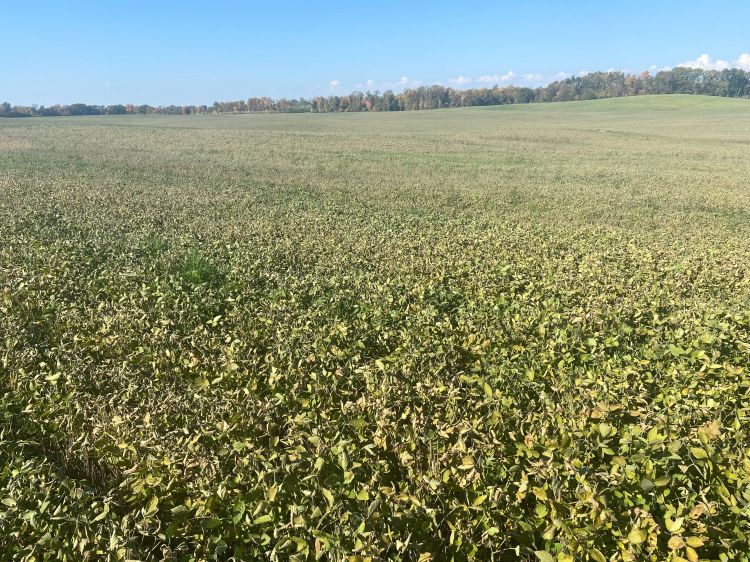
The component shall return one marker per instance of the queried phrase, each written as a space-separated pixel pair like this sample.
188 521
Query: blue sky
187 52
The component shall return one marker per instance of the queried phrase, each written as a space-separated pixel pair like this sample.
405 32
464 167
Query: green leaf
103 514
239 511
179 510
676 350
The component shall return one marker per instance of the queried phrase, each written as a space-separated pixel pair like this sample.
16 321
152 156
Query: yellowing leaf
487 390
675 542
544 556
636 536
479 500
152 505
267 518
699 453
674 525
467 463
327 495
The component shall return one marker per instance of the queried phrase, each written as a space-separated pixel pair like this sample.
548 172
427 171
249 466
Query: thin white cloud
404 82
533 77
366 85
372 85
510 77
496 78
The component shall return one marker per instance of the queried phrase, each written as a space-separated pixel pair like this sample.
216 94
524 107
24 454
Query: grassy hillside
518 332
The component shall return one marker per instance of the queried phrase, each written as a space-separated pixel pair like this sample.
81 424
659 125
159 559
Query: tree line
733 83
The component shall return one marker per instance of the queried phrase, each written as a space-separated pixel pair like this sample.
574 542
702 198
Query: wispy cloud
508 77
366 85
338 87
404 82
496 78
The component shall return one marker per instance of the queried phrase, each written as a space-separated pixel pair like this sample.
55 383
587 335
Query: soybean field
498 333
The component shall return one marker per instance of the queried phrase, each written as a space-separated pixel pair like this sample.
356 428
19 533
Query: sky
188 52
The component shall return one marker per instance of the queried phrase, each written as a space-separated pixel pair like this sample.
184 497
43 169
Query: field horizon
664 101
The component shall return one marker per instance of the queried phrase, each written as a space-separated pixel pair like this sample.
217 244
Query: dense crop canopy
517 333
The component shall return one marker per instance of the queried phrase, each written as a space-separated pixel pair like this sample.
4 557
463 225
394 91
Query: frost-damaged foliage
515 335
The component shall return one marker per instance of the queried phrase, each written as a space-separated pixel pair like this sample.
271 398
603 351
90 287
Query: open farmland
517 332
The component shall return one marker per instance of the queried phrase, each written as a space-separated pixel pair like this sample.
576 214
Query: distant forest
733 83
